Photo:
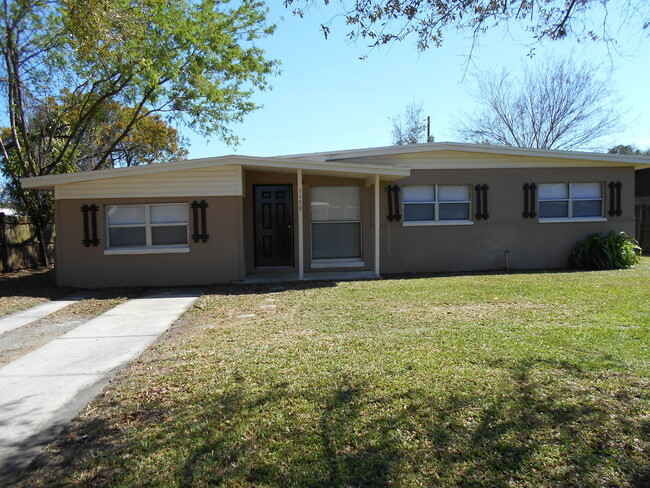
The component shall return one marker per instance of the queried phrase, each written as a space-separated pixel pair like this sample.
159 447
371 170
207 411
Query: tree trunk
3 243
40 229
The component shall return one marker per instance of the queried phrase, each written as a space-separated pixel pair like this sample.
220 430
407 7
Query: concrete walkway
24 317
42 391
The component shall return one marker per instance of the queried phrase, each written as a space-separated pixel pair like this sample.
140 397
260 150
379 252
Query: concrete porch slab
261 278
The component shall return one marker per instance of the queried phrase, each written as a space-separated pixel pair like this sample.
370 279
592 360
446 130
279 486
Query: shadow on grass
40 283
489 272
240 289
336 458
350 432
85 441
30 283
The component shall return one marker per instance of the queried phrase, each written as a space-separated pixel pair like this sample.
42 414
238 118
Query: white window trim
427 223
570 200
436 210
140 250
337 262
560 220
149 247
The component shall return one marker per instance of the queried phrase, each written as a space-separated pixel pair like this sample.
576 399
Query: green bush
606 250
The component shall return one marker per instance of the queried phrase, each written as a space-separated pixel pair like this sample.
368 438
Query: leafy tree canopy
628 150
150 140
385 21
69 65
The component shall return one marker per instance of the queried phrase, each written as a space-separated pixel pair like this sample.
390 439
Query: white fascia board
639 162
50 181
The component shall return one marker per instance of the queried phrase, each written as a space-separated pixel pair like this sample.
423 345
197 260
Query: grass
522 380
20 290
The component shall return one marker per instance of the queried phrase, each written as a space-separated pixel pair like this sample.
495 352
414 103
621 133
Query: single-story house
421 208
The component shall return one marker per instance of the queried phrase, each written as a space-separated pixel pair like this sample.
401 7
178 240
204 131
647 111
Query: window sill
149 250
337 263
560 220
423 223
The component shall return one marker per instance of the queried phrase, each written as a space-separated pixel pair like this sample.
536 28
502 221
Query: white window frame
354 262
570 200
149 247
436 207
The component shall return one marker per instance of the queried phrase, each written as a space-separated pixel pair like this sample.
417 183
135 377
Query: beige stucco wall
219 260
482 246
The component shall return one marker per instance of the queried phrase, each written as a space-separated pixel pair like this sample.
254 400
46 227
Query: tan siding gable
205 182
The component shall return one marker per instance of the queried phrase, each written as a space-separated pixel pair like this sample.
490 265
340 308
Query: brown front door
273 225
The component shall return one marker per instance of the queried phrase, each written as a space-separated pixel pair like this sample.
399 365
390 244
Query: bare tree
409 127
555 105
382 22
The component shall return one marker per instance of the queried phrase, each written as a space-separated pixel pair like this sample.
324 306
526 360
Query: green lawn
525 380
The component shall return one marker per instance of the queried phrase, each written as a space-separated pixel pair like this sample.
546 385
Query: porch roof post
301 245
377 180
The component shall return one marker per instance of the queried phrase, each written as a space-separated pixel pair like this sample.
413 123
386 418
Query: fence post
4 255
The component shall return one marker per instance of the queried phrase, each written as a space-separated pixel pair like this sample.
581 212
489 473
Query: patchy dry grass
23 289
96 303
521 380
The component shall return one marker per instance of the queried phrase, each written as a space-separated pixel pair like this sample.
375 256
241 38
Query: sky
326 98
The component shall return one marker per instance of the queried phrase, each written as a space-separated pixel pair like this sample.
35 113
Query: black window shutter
397 215
615 199
196 207
530 190
393 203
481 202
90 225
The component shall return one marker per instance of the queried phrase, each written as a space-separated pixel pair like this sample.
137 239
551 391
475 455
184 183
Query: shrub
606 250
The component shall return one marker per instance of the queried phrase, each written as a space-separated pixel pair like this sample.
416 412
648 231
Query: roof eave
640 161
50 181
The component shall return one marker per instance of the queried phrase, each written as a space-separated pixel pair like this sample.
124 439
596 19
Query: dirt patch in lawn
23 289
18 342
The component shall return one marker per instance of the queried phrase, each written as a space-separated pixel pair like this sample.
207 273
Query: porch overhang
345 170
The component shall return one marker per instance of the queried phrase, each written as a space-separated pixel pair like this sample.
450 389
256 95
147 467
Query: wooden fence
642 224
18 244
